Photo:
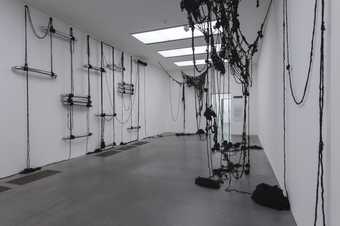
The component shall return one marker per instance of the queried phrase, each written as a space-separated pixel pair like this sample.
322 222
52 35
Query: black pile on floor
207 183
270 196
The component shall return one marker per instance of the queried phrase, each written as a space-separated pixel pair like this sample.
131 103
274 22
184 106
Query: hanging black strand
320 174
28 163
102 118
311 54
113 97
284 99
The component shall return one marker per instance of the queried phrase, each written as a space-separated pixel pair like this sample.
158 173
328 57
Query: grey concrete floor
151 185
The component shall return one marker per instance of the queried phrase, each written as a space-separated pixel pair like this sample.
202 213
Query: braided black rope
320 174
320 187
301 100
235 48
284 98
28 22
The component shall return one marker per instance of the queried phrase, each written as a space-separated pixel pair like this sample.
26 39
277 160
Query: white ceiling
115 20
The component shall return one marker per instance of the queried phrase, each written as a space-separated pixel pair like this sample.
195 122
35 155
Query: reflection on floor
150 185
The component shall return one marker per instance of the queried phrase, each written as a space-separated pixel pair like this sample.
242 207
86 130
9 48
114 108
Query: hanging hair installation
226 44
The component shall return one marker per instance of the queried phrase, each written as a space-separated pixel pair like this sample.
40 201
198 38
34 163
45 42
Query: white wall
302 122
48 115
334 155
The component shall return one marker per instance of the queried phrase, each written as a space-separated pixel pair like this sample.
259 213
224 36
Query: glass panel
222 106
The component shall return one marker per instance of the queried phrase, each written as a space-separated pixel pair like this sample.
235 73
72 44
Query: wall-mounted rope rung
71 100
95 68
35 70
73 137
104 115
115 68
58 34
134 128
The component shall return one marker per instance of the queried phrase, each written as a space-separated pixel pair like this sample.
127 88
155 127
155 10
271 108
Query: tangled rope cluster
218 21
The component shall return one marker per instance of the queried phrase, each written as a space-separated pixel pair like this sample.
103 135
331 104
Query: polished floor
150 185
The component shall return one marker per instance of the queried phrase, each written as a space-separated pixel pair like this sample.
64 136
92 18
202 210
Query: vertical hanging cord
207 132
88 90
102 118
209 98
207 126
284 99
207 105
212 123
138 86
229 105
320 174
145 134
113 97
72 92
131 107
88 68
248 137
29 19
184 107
122 95
28 163
51 31
222 106
244 147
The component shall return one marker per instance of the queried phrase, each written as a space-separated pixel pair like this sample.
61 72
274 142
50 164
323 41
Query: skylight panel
189 63
182 52
169 34
165 35
185 51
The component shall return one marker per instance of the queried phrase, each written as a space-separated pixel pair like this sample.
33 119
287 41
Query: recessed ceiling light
185 51
182 52
189 63
168 34
165 35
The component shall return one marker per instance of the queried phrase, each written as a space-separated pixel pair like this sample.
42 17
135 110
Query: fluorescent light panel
182 52
168 34
185 51
165 35
189 63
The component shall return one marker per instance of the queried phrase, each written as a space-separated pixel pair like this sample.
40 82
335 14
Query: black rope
51 31
238 191
28 164
102 118
122 101
138 100
131 108
229 105
113 96
320 174
284 101
301 100
71 46
28 21
88 68
207 129
170 76
88 50
145 103
320 187
184 107
236 50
